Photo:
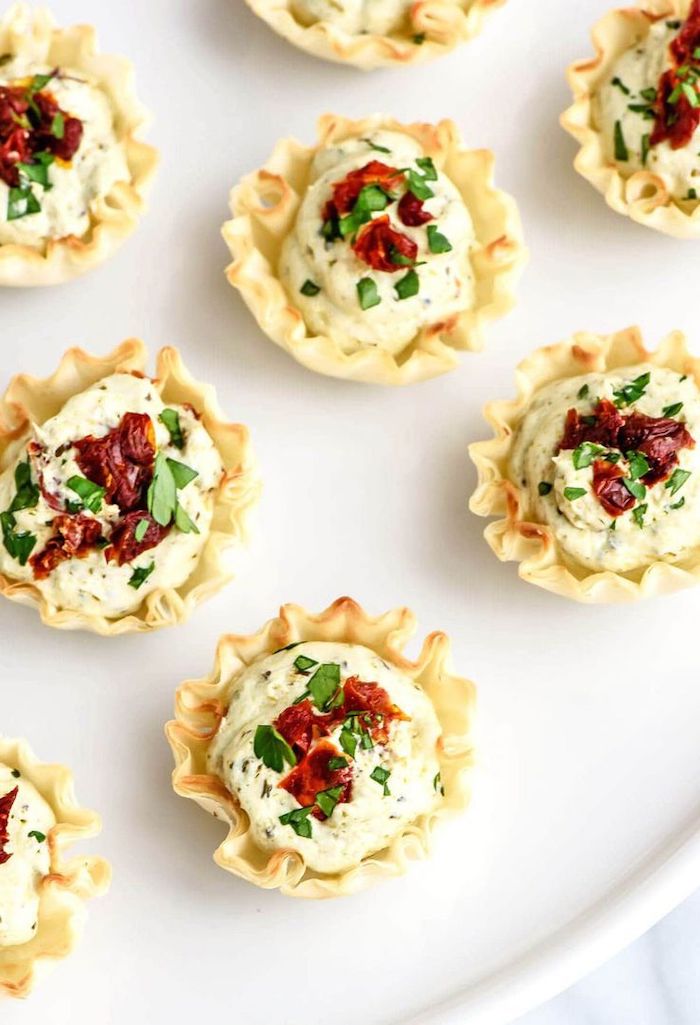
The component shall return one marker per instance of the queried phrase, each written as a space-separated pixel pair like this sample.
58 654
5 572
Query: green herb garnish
582 392
39 837
374 146
299 821
367 293
303 662
18 543
407 286
437 784
635 489
584 455
272 748
140 574
58 125
621 85
676 481
417 184
428 168
571 494
639 465
327 800
437 242
638 514
27 493
141 530
337 763
170 418
324 684
310 288
348 740
168 477
381 775
621 151
673 410
645 149
632 391
90 494
544 487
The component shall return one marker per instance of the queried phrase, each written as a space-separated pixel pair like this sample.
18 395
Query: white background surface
590 717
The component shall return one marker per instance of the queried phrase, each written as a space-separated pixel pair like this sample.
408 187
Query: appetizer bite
119 494
72 171
377 34
595 468
636 114
328 754
377 253
42 895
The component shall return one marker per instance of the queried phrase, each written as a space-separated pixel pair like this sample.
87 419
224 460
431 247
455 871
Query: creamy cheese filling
623 110
324 278
98 164
29 823
93 584
377 17
405 784
663 524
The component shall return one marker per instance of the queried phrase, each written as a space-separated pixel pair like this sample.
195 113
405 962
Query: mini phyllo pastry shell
426 29
202 705
266 205
30 402
62 891
30 39
519 535
645 193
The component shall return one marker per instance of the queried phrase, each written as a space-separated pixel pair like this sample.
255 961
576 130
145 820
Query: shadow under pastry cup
315 659
593 462
362 328
628 119
424 30
163 420
58 81
39 820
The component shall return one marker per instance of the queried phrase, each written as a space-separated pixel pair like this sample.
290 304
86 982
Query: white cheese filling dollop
669 527
446 278
371 819
623 103
30 821
98 164
92 584
356 17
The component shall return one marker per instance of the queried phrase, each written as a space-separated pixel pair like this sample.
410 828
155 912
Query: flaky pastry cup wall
33 400
70 883
265 205
201 704
515 537
644 196
32 33
437 27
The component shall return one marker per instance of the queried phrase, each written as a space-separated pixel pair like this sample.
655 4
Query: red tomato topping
6 803
411 212
73 538
26 123
121 461
659 440
609 489
374 700
687 41
677 121
377 244
313 774
601 428
299 725
124 547
345 192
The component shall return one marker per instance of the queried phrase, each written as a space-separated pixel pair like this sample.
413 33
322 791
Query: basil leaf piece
677 479
638 465
571 494
27 493
544 487
621 151
679 504
303 662
21 202
348 741
58 125
635 489
638 514
141 531
327 800
182 475
91 494
408 286
672 410
437 243
170 418
37 172
584 455
428 168
374 146
162 494
381 775
140 574
337 763
646 146
367 293
631 391
299 821
18 543
583 391
183 522
399 259
40 82
39 837
620 85
324 684
271 747
416 185
310 288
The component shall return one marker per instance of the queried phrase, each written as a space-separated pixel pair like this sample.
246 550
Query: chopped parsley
140 574
170 418
632 391
407 286
367 293
677 479
299 821
381 775
310 288
437 242
90 494
271 747
571 494
39 837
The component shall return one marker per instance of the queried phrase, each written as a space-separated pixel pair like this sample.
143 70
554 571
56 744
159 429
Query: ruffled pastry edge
70 882
201 704
515 537
33 400
265 205
115 216
644 196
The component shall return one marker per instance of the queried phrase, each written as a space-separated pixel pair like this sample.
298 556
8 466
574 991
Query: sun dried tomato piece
376 703
411 211
6 803
600 428
300 725
44 139
609 489
123 544
659 440
687 41
313 774
345 192
73 538
27 127
675 122
121 461
377 245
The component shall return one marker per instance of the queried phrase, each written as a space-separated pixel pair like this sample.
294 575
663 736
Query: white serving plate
585 827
